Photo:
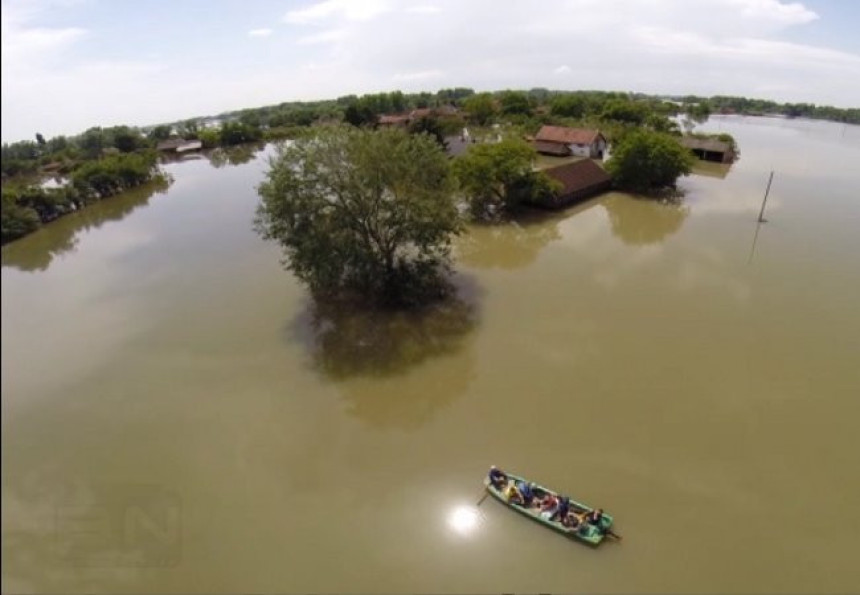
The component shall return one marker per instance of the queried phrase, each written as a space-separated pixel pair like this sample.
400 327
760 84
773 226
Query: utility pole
761 218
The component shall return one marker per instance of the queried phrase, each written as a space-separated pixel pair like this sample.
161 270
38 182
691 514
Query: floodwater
178 417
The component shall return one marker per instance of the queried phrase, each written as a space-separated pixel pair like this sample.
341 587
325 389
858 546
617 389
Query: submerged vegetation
362 214
27 207
645 161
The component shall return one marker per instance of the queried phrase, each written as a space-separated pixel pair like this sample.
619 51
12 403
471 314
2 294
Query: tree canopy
646 161
362 214
481 107
499 177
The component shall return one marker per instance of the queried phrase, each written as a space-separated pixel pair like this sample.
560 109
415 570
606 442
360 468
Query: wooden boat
592 534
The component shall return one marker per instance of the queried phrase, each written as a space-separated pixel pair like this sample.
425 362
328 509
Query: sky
68 65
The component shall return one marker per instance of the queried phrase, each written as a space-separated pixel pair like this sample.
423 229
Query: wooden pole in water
761 218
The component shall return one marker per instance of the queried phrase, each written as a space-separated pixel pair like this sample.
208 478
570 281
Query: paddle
612 533
484 497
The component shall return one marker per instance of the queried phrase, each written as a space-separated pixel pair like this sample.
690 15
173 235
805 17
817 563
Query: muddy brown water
178 417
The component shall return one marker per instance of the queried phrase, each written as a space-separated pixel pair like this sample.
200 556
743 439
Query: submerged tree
362 214
499 177
646 161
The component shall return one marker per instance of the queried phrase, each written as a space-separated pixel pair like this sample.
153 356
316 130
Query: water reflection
640 221
346 342
238 155
36 251
508 246
711 170
384 361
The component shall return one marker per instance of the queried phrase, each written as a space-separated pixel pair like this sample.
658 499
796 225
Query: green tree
40 139
625 111
159 133
16 220
645 161
569 105
429 125
125 139
362 214
499 177
359 113
481 108
515 102
235 133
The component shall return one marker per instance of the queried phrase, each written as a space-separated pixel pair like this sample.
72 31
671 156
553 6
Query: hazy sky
71 64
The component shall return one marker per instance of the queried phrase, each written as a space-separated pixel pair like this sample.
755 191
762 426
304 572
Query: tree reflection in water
36 251
642 221
510 245
238 155
394 368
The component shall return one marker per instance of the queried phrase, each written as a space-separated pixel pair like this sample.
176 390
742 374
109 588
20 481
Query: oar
612 533
484 497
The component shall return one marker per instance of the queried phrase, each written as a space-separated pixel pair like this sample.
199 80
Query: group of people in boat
551 507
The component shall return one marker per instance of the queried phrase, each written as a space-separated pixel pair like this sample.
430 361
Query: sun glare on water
463 519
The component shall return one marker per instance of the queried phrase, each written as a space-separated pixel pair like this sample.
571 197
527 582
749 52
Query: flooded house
561 141
579 181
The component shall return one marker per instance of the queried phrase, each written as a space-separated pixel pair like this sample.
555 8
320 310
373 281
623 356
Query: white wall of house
580 150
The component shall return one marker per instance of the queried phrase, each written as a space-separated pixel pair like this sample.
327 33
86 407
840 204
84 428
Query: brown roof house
561 141
579 180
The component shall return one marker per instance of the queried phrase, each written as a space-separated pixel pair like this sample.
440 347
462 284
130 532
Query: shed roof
563 134
170 144
579 175
706 144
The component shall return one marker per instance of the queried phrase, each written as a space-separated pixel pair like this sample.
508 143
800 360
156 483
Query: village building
404 120
179 145
562 141
709 149
579 181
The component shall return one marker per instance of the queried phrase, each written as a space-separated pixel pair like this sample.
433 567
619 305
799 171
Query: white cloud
330 36
338 47
353 10
775 11
259 32
423 9
422 75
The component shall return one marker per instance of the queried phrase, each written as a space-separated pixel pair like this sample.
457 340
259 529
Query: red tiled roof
569 136
578 176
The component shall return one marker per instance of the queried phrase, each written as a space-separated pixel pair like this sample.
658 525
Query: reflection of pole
764 200
755 239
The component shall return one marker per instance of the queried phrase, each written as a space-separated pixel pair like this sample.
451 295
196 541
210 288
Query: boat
591 534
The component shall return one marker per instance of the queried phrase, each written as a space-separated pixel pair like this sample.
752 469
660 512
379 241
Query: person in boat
594 517
497 477
562 509
572 521
513 495
548 506
526 492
